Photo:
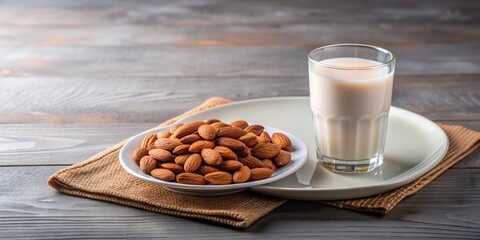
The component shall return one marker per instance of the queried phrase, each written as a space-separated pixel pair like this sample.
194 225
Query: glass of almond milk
350 97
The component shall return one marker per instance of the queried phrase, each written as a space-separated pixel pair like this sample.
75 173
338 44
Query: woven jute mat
102 178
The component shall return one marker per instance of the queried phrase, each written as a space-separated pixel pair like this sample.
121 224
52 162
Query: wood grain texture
79 76
137 100
43 212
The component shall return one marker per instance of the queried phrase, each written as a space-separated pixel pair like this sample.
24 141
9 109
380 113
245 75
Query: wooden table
79 76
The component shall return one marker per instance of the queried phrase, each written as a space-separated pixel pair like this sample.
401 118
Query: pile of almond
203 152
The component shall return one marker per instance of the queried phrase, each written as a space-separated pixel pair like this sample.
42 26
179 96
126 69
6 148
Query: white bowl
299 157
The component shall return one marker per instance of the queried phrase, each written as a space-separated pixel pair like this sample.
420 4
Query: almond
160 154
181 159
257 129
163 174
173 167
167 143
249 139
269 164
240 124
199 145
205 169
251 161
230 143
193 163
283 158
174 138
243 153
174 128
191 178
138 153
211 157
231 132
217 125
219 178
210 121
264 138
164 134
207 132
226 153
260 173
147 164
230 165
148 141
265 150
282 140
242 175
188 128
189 139
181 149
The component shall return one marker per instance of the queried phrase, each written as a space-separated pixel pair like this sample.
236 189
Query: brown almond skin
189 139
217 125
269 164
219 178
231 132
260 173
251 161
191 178
174 128
138 153
181 149
283 158
173 167
240 124
167 144
282 140
148 141
164 134
242 153
231 143
188 128
160 154
266 150
205 169
249 139
266 135
264 138
210 121
181 159
199 145
230 165
147 164
192 163
163 174
242 175
226 153
257 129
207 132
211 157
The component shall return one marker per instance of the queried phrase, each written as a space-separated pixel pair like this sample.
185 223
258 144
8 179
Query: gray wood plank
442 210
220 61
221 23
138 100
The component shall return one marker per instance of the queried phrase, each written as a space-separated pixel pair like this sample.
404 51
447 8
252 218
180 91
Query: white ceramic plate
299 157
414 146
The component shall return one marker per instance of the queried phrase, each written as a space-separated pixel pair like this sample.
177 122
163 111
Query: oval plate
414 145
299 157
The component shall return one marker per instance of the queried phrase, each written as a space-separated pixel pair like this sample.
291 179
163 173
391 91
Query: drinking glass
350 97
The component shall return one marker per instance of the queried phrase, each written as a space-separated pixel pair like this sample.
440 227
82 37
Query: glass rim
383 64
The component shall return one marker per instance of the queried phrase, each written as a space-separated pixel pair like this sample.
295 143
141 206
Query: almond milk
350 106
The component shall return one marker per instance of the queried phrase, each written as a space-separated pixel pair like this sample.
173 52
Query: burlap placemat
101 177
